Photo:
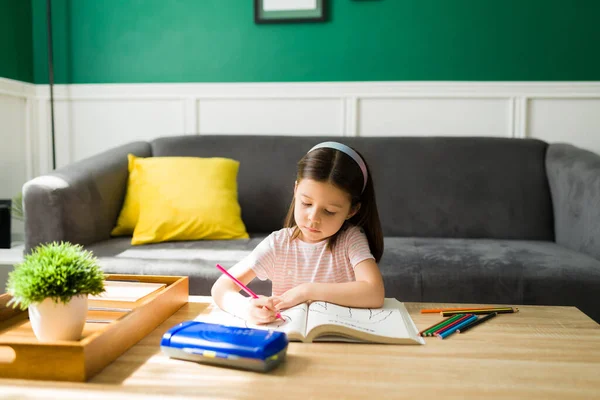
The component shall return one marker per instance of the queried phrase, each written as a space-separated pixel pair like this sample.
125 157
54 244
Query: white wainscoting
271 116
574 120
91 118
15 135
403 116
16 153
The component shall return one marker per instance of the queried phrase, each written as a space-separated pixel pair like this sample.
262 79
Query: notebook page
388 321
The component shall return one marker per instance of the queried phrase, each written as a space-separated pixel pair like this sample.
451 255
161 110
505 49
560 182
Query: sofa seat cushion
489 271
196 259
413 269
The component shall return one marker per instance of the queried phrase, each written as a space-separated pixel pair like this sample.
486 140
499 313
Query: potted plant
54 281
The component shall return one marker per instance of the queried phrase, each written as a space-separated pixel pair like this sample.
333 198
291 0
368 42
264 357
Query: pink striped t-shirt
289 262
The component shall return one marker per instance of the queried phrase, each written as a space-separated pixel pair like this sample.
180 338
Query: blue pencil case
245 348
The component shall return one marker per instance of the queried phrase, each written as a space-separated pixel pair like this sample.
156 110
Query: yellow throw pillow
187 198
131 206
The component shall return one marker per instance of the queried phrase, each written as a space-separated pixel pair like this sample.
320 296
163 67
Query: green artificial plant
54 270
16 207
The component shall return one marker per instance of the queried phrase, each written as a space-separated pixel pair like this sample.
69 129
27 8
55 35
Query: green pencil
441 324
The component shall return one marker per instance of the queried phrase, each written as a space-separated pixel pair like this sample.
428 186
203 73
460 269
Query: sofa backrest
468 187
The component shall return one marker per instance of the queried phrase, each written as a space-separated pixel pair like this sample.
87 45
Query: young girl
329 247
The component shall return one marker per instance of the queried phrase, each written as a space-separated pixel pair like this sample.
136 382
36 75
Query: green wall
16 54
217 41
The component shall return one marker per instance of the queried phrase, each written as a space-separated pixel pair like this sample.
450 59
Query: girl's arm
226 295
366 292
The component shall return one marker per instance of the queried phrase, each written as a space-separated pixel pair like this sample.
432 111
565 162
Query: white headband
347 150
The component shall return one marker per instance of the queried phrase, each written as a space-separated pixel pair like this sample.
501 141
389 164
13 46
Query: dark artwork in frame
289 11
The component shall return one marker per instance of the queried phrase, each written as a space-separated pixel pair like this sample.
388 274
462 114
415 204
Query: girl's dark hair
339 169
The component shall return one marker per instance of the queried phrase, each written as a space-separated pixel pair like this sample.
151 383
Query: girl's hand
261 310
292 297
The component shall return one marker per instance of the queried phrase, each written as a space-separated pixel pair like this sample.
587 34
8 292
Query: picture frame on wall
284 11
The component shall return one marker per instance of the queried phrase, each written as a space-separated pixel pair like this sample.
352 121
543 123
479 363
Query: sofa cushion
130 212
413 269
187 198
489 271
469 187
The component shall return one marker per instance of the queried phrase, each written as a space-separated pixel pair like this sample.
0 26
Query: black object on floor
5 224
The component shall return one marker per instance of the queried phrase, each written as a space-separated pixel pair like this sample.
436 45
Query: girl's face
320 209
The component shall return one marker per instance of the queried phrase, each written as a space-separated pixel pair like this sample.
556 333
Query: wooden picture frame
288 11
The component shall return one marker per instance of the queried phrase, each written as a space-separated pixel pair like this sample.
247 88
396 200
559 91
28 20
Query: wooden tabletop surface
537 353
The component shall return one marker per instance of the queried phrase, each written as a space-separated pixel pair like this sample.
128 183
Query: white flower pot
58 321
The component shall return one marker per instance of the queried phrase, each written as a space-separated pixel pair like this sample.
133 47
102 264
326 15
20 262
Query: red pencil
453 324
439 324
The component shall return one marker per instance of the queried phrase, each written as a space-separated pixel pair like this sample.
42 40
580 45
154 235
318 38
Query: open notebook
322 321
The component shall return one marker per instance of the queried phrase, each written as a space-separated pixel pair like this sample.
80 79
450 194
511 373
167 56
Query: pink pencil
243 287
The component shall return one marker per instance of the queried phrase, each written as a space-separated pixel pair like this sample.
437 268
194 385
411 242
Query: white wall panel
272 116
434 117
15 143
572 120
13 166
87 127
91 118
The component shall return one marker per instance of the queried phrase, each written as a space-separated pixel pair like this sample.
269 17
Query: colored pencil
453 325
433 326
500 310
449 332
475 323
446 321
243 287
439 310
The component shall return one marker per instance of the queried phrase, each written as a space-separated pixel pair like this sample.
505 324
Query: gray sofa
465 219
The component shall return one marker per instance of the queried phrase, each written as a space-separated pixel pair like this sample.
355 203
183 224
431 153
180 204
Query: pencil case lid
225 340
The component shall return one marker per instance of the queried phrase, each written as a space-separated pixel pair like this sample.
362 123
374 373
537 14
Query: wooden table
538 353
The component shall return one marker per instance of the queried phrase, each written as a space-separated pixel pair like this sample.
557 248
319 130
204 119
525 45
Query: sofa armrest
574 179
80 202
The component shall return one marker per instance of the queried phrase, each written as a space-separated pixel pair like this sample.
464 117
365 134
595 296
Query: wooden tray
22 356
